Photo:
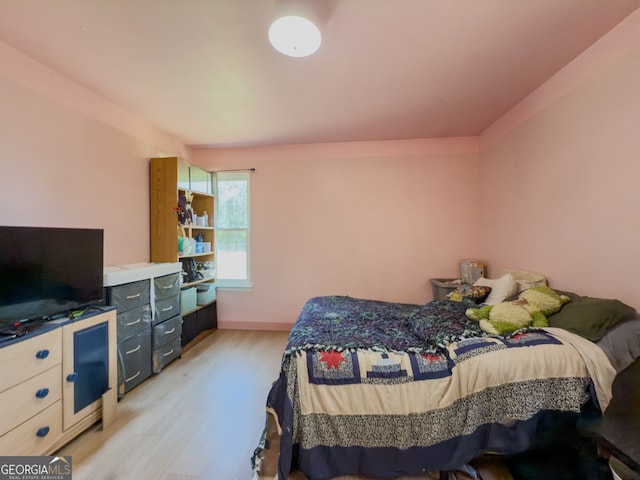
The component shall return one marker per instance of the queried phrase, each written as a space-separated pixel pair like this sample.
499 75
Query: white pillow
501 288
526 279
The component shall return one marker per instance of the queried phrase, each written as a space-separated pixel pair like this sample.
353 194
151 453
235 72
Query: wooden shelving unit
170 177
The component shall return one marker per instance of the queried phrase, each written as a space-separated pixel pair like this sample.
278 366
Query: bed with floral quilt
386 389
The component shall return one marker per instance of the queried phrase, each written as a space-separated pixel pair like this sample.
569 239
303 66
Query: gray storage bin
167 331
166 286
165 309
132 322
441 288
136 359
130 295
165 354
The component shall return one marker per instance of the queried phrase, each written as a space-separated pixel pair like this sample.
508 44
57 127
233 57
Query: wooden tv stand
44 400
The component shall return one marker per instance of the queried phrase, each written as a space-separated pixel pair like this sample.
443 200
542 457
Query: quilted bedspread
339 323
384 389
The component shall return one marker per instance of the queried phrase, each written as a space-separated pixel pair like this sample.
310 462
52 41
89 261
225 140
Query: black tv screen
47 271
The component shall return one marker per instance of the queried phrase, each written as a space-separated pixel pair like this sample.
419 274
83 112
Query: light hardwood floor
200 419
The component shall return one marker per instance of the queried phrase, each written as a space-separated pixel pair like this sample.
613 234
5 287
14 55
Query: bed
385 389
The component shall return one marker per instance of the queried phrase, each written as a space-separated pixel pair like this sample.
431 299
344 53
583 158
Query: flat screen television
45 272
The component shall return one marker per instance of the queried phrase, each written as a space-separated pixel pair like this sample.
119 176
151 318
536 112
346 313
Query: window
232 229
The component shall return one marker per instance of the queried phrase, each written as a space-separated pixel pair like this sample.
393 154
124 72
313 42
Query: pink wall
372 220
69 158
559 175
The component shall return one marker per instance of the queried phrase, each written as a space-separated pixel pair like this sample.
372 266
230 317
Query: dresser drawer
136 359
29 398
165 354
130 295
167 331
166 286
36 435
166 309
29 358
133 322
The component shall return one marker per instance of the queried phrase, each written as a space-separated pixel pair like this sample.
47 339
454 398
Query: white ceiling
203 70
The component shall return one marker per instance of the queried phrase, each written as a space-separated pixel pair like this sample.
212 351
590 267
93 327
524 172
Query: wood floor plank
199 419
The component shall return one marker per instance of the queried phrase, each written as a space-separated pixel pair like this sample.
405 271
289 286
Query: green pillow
591 317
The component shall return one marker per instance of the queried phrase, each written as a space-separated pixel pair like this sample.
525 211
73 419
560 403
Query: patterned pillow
475 293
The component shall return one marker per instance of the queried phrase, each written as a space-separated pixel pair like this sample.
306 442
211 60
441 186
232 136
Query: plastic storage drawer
165 354
166 286
130 295
443 286
167 331
132 322
135 353
166 309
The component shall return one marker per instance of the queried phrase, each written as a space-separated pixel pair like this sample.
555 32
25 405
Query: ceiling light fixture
295 36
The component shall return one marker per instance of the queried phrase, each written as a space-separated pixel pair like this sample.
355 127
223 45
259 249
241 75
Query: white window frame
231 176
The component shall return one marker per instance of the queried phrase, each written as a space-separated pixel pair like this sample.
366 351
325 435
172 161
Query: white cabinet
48 388
30 395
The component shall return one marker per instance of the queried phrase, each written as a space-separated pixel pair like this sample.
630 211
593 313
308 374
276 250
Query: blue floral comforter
345 323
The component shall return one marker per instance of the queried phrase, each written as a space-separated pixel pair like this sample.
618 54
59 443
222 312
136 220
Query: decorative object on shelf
199 244
185 209
190 215
182 209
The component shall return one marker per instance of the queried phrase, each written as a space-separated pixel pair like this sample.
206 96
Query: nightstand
443 286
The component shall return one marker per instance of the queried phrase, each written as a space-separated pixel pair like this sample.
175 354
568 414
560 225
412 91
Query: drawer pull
131 297
133 323
43 392
168 353
166 309
167 287
42 354
131 378
72 377
169 332
129 352
42 432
